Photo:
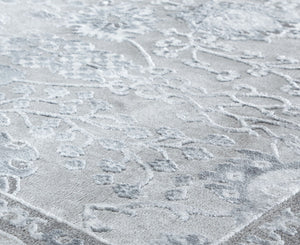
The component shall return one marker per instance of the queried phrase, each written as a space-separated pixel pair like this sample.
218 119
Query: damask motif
155 119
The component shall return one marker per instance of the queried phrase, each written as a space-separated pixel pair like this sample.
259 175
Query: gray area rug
139 122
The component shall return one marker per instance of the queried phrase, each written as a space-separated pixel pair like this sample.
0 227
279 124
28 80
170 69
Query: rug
149 122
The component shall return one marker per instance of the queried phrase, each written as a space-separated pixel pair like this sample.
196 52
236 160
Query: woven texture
138 122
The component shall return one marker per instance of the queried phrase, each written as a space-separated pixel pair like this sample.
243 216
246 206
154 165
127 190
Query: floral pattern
145 122
112 21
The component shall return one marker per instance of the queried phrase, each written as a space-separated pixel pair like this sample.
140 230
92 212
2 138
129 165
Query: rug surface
149 122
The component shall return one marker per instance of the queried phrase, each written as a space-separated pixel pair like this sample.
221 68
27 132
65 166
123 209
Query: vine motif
86 97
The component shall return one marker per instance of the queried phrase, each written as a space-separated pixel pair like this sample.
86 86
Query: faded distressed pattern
144 122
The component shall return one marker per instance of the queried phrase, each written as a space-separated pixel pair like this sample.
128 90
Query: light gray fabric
149 122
